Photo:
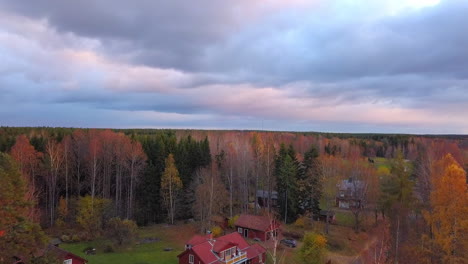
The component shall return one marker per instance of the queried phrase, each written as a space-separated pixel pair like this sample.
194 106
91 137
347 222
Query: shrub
232 221
313 248
65 238
121 231
300 222
91 213
75 238
216 231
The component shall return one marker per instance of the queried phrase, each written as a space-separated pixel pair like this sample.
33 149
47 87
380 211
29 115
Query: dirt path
373 251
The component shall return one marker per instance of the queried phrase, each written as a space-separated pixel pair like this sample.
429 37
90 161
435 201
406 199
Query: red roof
203 251
203 247
254 251
63 254
220 245
197 239
235 238
255 222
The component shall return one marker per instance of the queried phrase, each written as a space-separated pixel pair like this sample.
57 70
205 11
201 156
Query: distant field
382 162
152 253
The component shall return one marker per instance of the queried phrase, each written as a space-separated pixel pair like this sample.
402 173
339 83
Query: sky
387 66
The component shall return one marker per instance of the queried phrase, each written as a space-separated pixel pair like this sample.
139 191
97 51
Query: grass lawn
172 237
382 162
344 218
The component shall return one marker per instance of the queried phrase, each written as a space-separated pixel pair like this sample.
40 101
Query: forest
84 179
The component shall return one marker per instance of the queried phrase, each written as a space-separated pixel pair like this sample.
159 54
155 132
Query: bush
91 214
313 248
75 238
122 231
232 221
216 231
300 222
65 238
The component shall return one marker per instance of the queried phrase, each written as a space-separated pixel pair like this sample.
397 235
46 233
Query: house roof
220 245
203 247
264 194
350 184
255 222
197 239
236 239
254 251
62 254
204 253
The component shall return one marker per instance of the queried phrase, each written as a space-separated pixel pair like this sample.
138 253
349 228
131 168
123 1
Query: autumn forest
56 179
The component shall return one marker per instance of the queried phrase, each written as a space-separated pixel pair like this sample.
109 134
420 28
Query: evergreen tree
309 183
397 198
286 173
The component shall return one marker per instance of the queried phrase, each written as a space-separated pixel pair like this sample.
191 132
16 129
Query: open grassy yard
170 237
382 162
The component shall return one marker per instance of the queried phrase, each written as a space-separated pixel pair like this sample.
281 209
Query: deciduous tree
18 235
449 216
170 187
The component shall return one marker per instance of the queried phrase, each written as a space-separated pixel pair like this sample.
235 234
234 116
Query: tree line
153 176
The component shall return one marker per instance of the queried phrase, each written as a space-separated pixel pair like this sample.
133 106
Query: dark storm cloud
159 33
213 36
323 65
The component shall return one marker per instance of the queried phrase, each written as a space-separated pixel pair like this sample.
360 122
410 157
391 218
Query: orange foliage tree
449 217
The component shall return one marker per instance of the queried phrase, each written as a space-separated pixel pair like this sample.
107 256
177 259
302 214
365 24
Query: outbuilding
257 227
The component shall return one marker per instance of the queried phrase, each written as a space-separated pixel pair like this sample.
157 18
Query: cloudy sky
317 65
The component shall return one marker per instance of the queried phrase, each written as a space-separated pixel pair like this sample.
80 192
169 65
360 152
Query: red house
257 227
227 249
65 256
60 254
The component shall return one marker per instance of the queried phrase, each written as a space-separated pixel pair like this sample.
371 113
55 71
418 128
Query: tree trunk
286 208
230 192
397 239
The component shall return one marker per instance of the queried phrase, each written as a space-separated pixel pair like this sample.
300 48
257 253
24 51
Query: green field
382 162
152 253
344 218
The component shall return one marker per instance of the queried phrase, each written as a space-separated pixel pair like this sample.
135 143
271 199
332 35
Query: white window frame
239 230
191 258
260 258
68 261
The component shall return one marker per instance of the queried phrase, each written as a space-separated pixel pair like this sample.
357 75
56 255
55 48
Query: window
260 258
246 233
191 258
67 261
239 229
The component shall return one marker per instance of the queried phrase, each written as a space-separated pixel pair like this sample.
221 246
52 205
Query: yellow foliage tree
232 221
449 216
313 248
216 231
170 186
